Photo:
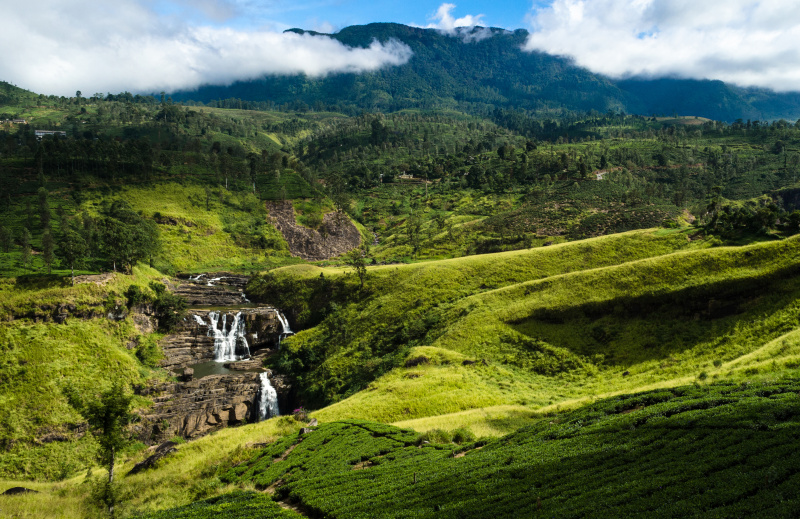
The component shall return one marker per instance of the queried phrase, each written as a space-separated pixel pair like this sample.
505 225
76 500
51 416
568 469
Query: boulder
161 451
187 375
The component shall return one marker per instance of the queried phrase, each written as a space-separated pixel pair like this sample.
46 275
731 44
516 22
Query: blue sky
60 46
336 14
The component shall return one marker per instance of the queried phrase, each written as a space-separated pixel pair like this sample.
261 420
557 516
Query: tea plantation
718 450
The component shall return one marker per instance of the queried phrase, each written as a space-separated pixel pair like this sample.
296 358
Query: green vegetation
108 416
444 337
43 360
515 267
237 505
713 450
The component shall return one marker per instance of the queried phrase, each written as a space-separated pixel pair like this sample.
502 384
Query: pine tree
5 239
25 242
47 249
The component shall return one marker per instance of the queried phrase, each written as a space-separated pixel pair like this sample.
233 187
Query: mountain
712 99
482 69
444 72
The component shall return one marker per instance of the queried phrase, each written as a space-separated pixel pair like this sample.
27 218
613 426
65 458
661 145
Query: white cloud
747 42
445 21
324 27
123 45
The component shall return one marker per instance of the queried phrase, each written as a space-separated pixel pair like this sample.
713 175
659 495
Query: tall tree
108 415
25 242
72 250
357 260
5 238
127 237
47 249
44 208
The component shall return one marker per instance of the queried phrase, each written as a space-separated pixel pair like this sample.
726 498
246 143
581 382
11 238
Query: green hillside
538 328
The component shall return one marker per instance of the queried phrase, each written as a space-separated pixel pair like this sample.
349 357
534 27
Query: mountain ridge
472 72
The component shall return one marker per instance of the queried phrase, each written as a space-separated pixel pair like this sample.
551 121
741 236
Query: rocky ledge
198 407
200 294
191 344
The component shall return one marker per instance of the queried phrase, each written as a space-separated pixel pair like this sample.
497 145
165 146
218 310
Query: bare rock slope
338 235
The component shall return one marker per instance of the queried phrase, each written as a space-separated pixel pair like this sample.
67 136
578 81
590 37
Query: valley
424 312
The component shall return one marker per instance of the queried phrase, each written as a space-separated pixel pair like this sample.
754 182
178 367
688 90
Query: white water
245 298
226 341
268 399
286 328
212 281
199 320
196 278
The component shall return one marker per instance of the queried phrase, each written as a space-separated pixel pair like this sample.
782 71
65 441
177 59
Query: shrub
300 414
149 352
169 308
435 436
136 296
416 361
463 435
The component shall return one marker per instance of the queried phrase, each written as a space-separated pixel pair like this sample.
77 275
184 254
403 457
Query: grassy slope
40 358
197 242
411 299
502 396
189 475
559 325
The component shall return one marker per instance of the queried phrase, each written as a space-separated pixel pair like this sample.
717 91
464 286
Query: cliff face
336 236
225 290
190 344
198 407
192 408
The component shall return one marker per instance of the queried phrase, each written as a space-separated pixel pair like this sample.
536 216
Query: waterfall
226 342
286 329
245 298
199 320
285 324
267 399
212 281
196 278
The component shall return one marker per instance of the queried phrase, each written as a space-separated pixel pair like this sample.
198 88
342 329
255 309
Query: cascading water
267 399
286 329
227 341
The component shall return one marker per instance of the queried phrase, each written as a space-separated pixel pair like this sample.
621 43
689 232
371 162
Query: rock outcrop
338 235
159 453
190 344
195 408
225 289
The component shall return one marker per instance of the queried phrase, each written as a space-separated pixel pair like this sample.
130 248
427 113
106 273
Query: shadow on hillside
628 330
42 281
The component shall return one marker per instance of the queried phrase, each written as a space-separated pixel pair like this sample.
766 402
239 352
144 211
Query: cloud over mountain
446 22
747 42
124 45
